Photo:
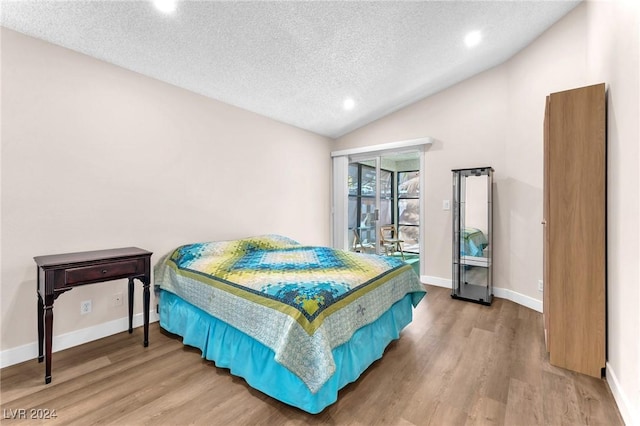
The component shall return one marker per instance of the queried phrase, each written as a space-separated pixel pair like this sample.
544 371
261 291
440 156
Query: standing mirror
472 235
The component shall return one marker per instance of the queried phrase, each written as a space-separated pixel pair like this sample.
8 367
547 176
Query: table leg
48 339
130 305
40 329
145 303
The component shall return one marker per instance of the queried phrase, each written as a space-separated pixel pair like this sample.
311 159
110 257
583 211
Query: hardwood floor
458 363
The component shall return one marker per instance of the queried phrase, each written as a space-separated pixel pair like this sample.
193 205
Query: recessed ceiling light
473 38
165 6
348 104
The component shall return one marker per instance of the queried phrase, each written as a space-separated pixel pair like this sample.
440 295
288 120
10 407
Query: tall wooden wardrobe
574 229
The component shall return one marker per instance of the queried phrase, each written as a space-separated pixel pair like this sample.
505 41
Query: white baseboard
74 338
503 293
518 298
437 281
630 416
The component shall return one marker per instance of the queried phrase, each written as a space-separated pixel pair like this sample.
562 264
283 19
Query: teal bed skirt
245 357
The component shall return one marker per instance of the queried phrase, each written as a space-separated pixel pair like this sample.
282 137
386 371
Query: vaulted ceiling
296 61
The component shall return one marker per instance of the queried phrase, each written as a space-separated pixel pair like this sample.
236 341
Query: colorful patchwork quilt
300 301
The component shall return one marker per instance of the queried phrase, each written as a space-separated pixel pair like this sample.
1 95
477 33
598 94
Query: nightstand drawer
104 272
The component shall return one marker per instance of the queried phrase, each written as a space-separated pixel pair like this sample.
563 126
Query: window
362 200
409 210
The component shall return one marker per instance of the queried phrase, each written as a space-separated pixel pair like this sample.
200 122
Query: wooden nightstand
62 272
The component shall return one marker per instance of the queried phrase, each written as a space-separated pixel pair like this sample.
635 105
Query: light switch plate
446 205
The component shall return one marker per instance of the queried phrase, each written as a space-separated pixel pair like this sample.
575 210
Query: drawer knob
104 271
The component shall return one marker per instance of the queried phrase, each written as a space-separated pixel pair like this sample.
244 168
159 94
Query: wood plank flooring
458 363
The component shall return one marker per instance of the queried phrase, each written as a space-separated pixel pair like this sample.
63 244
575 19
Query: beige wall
95 156
496 119
614 49
554 62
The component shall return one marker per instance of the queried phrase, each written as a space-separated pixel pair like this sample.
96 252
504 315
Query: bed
297 322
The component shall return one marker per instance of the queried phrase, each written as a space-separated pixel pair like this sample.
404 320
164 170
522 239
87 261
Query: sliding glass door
378 186
384 191
370 202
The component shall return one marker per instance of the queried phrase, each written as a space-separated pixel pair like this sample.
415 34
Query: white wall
95 156
614 48
554 62
496 119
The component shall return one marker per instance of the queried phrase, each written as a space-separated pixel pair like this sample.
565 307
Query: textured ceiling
295 61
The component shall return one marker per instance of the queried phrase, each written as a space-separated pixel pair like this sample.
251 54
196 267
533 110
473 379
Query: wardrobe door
576 229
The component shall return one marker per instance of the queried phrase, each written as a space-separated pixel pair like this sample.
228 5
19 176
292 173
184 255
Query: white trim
390 146
518 298
502 293
422 201
340 203
74 338
624 406
437 281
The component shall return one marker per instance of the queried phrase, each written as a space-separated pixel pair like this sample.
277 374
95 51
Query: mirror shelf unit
472 260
